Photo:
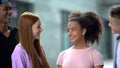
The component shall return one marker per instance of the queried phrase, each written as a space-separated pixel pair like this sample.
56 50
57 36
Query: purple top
20 58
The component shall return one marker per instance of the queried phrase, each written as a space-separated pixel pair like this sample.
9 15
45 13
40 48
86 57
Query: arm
59 66
100 66
98 60
60 59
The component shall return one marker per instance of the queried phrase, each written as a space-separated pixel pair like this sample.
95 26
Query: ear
83 31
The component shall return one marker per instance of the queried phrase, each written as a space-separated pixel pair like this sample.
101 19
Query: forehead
110 18
115 20
73 24
38 22
7 4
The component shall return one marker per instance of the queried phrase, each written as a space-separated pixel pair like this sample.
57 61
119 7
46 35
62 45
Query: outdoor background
54 18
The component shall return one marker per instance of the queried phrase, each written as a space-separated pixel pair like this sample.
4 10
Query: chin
114 32
37 37
73 41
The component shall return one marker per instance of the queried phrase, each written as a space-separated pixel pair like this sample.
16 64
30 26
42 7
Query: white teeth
9 16
72 36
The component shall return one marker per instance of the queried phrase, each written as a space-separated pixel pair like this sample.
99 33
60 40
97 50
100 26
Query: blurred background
54 18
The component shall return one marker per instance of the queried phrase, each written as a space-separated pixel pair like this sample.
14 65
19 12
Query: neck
3 28
81 45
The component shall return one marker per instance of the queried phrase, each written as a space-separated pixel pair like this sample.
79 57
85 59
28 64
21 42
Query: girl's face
75 33
36 29
114 26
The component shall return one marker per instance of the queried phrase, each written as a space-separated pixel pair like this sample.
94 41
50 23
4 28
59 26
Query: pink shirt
79 58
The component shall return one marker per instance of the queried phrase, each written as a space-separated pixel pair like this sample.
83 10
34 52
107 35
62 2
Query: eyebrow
8 7
72 27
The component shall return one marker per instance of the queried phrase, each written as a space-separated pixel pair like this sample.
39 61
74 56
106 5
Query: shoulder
20 58
19 50
61 57
96 55
12 28
64 51
95 52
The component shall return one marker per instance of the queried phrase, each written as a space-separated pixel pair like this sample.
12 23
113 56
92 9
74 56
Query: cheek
33 30
79 33
1 12
114 29
112 26
36 32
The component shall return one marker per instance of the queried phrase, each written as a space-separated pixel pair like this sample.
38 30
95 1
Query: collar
118 37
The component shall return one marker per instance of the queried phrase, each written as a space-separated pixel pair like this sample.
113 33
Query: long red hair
26 20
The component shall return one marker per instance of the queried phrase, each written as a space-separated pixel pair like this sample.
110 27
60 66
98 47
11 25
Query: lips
72 37
9 17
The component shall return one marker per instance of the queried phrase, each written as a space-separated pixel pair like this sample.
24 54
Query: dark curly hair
91 22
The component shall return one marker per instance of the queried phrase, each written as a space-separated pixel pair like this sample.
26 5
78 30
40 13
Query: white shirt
118 55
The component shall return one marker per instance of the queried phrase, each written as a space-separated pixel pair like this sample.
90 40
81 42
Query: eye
73 29
39 27
8 8
110 22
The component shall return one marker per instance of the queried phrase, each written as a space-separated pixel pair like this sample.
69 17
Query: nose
69 33
10 11
41 29
109 24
